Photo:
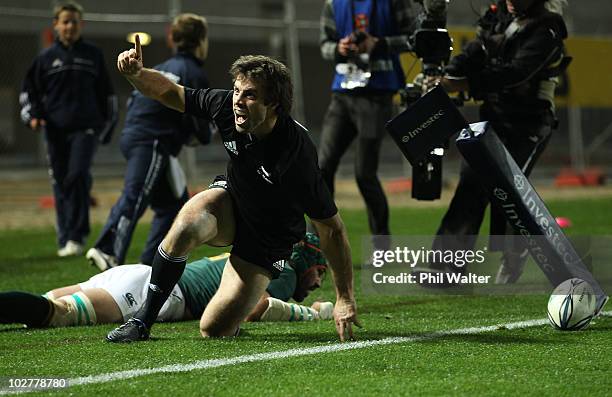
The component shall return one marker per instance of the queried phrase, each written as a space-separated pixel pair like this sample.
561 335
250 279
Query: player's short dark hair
272 74
188 30
71 6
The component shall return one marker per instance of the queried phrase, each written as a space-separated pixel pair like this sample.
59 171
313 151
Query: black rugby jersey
273 181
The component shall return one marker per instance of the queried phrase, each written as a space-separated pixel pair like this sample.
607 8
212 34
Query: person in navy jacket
152 137
67 94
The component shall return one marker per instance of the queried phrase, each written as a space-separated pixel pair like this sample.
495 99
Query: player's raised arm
335 246
150 82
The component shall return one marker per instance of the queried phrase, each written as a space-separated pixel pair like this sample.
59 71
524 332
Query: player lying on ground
272 181
115 295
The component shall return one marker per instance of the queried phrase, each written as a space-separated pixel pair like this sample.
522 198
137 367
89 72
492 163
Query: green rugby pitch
444 348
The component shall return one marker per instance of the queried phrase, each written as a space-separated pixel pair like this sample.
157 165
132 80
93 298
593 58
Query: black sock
24 308
166 272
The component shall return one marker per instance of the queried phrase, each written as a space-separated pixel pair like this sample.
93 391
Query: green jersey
201 279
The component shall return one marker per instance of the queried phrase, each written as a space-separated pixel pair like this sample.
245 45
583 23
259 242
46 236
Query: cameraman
363 38
512 66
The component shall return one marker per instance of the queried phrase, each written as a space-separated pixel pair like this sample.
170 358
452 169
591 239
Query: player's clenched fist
130 62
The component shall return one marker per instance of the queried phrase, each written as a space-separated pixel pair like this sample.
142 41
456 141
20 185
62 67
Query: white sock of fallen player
283 311
71 310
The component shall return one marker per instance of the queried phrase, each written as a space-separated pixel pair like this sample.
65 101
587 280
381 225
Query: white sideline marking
221 362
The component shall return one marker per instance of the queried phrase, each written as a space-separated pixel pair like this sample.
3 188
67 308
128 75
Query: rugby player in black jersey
272 180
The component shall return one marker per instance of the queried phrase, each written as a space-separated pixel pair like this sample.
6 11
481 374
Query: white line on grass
221 362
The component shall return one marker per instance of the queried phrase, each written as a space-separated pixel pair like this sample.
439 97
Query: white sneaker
326 310
72 248
101 260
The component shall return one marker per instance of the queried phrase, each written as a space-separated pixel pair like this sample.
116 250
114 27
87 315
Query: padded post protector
524 209
426 124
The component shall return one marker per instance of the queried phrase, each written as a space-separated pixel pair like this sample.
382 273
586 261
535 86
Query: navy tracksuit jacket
151 135
69 88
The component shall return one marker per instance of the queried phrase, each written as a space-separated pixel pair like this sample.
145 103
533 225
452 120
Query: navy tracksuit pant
70 157
147 183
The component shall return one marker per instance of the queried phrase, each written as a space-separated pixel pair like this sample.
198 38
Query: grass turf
506 362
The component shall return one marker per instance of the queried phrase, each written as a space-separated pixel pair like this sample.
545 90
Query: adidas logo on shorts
279 265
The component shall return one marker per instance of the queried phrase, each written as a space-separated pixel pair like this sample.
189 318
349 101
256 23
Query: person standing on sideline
67 94
513 67
363 38
152 137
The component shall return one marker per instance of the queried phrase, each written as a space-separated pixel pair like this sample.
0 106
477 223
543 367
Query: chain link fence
287 29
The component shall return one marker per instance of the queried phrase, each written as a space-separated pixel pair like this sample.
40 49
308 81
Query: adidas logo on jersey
231 146
57 63
279 265
221 184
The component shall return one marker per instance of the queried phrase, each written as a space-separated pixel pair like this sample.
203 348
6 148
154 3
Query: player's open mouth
240 117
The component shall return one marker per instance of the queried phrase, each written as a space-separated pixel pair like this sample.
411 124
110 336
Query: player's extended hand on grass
129 62
345 315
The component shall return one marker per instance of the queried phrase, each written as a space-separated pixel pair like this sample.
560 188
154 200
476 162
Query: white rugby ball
571 306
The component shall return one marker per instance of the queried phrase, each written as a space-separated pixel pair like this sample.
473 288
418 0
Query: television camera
432 44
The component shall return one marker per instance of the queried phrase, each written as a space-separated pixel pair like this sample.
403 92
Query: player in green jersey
115 295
